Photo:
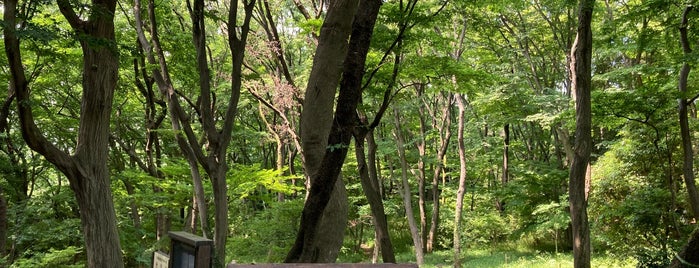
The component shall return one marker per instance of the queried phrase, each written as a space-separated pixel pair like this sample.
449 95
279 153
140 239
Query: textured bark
444 138
505 164
3 224
213 160
156 111
371 191
161 75
420 176
462 180
406 194
581 56
688 153
315 125
323 179
87 168
688 256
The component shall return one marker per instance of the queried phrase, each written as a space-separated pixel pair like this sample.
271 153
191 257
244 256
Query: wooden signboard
189 251
160 260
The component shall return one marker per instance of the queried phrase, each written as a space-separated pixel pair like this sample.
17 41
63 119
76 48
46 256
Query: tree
683 103
86 168
405 191
217 130
462 180
315 127
581 73
324 172
687 257
3 224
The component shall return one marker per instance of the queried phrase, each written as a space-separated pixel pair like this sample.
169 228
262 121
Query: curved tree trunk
462 181
581 57
371 190
324 162
87 169
688 160
315 127
688 256
405 190
213 160
162 77
445 134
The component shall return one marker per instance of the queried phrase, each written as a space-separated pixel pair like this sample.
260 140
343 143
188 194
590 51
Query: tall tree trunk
3 224
421 145
333 33
153 149
4 113
87 168
369 186
581 56
383 240
315 127
444 138
505 178
462 180
688 257
214 160
162 77
405 189
688 163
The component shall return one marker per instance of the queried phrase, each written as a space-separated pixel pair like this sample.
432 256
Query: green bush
267 235
62 258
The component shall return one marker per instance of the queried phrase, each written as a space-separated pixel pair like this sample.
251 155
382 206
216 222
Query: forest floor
513 259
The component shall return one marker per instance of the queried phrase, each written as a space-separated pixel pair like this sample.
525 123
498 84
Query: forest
523 133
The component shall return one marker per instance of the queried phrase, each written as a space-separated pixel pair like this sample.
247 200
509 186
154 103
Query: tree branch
69 13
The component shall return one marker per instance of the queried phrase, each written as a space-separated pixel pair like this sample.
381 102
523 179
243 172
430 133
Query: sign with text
160 260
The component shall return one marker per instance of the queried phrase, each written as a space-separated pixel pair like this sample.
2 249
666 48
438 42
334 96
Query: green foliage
69 257
534 196
311 26
484 228
249 180
265 236
513 256
634 212
510 60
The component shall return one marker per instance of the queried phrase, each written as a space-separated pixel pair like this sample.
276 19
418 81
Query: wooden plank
329 265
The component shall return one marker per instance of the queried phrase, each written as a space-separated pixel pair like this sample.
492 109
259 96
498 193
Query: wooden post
189 251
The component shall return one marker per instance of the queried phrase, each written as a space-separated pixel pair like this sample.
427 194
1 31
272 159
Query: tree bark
421 146
505 164
405 190
161 76
444 138
688 153
306 248
87 168
376 205
214 161
3 224
154 119
688 256
315 125
370 184
581 56
462 180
